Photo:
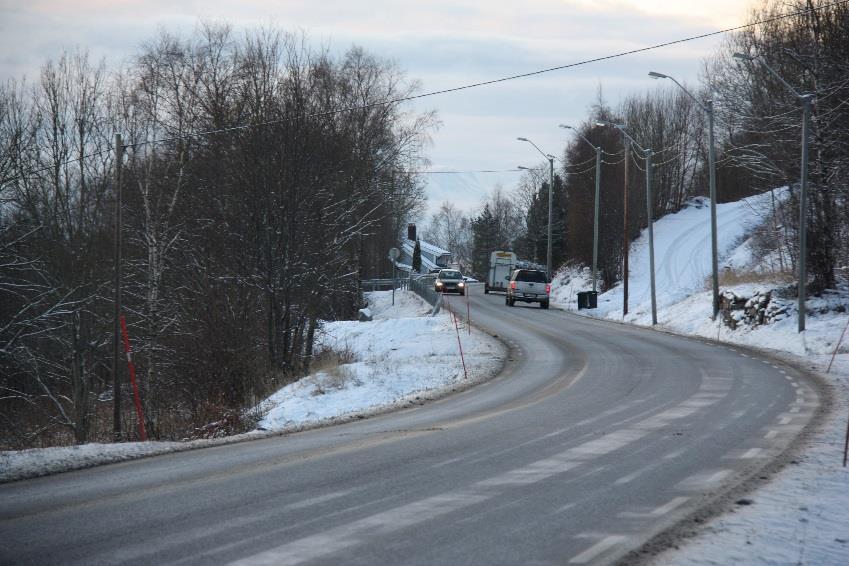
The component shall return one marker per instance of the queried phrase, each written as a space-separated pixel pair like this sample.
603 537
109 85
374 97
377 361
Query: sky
440 43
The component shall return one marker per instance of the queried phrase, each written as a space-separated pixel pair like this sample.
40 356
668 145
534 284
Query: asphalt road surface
595 437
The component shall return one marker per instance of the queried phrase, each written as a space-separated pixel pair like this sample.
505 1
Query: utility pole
803 209
626 243
550 205
116 366
359 268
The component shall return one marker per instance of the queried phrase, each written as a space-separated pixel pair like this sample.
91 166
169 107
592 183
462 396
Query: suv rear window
530 276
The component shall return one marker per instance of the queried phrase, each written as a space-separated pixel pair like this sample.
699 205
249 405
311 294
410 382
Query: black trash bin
587 300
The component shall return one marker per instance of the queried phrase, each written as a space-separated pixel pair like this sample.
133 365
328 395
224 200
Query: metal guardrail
383 284
423 286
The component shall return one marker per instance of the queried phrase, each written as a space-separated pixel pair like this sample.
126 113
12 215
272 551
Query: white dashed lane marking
598 549
706 480
659 512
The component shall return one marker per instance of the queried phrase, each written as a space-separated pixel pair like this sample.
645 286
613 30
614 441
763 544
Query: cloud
443 43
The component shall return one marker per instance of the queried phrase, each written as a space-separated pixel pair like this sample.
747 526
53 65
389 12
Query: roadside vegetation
237 241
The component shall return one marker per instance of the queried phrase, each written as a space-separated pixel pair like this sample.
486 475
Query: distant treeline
758 145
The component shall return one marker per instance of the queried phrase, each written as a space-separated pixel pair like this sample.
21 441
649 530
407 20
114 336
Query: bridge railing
423 286
383 284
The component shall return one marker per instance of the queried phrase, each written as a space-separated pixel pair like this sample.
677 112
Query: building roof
431 249
427 248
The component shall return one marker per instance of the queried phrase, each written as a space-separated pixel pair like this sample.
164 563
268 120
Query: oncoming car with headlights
450 281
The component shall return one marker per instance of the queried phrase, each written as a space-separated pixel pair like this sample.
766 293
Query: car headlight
439 283
461 284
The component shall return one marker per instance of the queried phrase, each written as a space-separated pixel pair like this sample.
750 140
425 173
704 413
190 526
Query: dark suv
528 286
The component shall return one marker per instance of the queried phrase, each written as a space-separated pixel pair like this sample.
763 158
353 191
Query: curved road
595 437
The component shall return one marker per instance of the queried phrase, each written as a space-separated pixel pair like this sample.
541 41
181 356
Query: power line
34 172
508 78
462 172
463 87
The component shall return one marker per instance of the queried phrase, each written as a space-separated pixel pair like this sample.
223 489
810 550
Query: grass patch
332 363
328 360
731 277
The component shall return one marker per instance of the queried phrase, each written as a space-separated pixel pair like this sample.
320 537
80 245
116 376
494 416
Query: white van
501 265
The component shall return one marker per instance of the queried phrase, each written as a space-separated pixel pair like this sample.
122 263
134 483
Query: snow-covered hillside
682 251
800 517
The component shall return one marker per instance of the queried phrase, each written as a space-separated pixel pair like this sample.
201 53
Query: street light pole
647 154
649 207
598 151
707 107
550 211
536 175
550 202
626 238
807 101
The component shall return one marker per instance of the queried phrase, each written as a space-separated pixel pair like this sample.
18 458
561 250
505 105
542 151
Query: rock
365 315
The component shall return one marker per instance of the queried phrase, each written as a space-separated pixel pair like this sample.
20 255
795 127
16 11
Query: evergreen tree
485 235
417 257
534 243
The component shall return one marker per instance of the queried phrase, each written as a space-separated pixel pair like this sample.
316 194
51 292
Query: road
595 437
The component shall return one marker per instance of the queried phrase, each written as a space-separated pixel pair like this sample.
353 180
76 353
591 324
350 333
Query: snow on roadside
399 356
403 354
19 464
801 515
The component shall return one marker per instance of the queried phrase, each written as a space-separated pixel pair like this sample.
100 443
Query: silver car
528 286
450 281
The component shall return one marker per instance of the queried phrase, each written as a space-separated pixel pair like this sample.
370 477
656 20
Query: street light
550 201
707 107
597 192
647 153
806 100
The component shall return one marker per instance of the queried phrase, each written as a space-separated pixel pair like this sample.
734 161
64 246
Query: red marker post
132 368
468 310
459 343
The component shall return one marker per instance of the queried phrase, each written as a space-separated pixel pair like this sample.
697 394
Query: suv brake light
548 287
513 285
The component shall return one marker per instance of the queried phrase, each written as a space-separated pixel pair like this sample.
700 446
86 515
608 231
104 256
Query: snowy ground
802 515
402 356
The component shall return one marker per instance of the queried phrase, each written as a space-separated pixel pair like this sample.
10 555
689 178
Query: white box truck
501 265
